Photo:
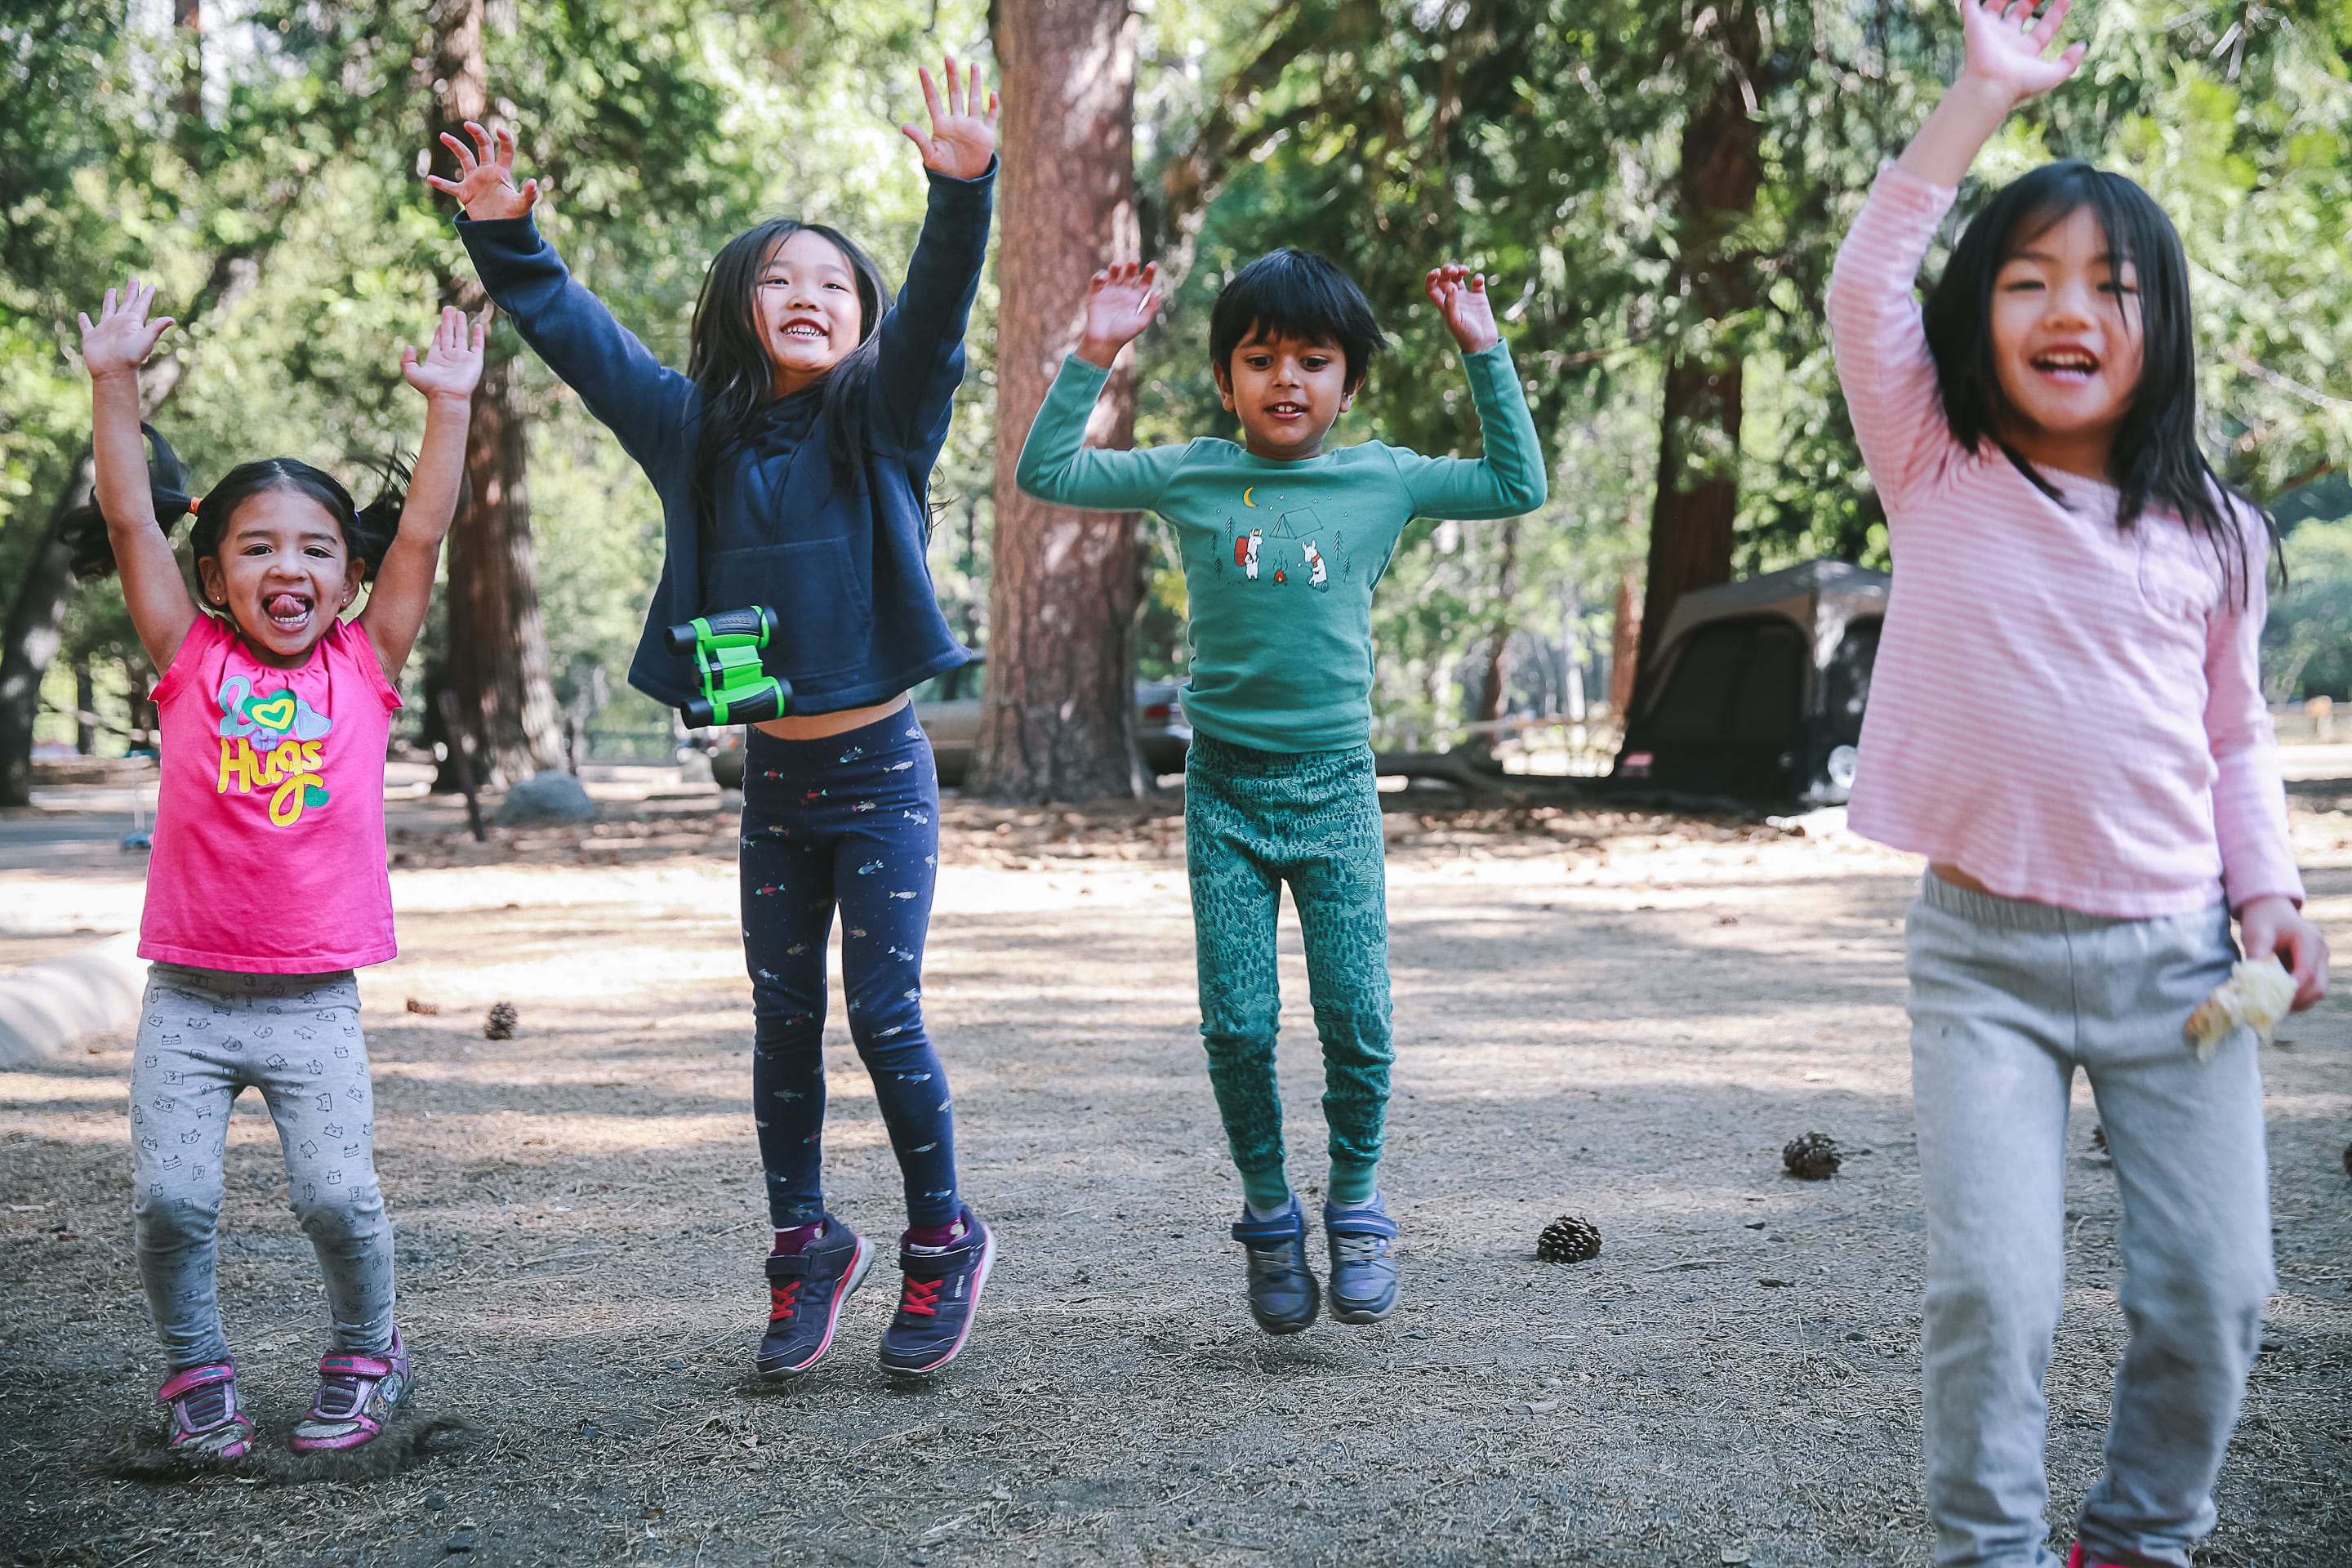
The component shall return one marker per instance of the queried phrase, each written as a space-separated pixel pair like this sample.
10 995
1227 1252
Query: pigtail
373 527
84 528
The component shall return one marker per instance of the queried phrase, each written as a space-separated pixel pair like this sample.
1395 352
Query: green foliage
1540 139
2307 646
1535 139
295 240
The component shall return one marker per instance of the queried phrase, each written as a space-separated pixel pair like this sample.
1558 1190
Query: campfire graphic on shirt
1287 541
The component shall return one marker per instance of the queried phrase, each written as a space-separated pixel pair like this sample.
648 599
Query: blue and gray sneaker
1282 1288
806 1291
938 1300
1363 1271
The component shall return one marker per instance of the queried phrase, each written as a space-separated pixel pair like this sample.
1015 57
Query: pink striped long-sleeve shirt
2067 711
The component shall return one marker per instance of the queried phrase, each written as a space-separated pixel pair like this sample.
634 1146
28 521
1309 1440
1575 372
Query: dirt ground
1618 1017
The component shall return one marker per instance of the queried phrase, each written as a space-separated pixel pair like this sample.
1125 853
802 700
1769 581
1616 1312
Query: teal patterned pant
1253 821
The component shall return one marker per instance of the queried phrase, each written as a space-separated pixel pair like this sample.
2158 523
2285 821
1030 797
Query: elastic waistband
1225 757
2020 914
891 727
240 983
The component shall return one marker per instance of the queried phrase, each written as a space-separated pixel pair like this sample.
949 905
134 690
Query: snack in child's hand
2257 995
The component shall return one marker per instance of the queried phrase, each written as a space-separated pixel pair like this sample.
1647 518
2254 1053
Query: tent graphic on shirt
1277 545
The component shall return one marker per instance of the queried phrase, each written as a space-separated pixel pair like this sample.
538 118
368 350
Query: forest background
1656 186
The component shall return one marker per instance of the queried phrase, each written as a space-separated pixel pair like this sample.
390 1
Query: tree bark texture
32 636
85 706
1058 718
1624 647
498 661
1697 496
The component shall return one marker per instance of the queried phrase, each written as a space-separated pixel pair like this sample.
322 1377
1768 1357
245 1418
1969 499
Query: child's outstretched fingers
962 143
1460 296
485 184
2005 40
122 337
1121 301
452 363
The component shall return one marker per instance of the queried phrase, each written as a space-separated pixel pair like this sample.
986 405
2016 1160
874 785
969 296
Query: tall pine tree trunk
1722 167
1624 646
36 617
1494 691
497 662
1058 721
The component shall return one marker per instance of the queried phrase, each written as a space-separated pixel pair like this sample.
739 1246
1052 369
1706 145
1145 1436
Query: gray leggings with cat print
204 1035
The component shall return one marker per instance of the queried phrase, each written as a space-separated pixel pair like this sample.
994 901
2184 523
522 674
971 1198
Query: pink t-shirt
269 822
2069 712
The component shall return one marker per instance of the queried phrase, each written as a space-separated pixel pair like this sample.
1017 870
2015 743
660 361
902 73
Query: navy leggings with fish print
850 820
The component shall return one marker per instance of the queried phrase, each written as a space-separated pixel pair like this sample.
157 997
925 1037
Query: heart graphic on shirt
277 714
313 795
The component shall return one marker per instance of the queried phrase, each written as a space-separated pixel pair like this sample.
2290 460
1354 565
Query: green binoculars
726 650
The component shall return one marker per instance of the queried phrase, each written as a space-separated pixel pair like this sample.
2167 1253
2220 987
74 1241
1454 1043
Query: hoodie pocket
824 611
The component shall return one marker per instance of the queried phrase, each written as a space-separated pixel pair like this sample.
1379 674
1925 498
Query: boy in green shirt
1283 543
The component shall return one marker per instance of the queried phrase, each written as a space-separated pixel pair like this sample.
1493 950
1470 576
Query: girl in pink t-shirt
2066 718
268 886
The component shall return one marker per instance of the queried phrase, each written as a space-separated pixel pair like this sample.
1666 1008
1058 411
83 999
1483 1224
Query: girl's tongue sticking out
289 612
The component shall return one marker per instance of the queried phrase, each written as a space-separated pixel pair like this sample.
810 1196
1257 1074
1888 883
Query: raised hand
2005 43
962 142
1121 301
452 365
485 184
119 342
1460 296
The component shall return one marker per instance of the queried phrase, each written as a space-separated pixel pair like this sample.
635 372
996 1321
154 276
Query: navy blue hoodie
840 561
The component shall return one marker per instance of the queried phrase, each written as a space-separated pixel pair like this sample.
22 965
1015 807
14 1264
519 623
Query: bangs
2132 228
1294 294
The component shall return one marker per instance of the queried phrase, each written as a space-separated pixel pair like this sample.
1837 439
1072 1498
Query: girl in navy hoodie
793 459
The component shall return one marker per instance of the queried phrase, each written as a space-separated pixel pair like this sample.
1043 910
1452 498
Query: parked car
948 707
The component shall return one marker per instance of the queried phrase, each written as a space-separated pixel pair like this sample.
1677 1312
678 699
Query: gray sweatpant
204 1035
2007 999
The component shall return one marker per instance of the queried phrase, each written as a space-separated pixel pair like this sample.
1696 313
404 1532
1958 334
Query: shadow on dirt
411 1441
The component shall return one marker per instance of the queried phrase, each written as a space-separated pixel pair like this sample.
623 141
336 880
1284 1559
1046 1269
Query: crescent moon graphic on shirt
1245 499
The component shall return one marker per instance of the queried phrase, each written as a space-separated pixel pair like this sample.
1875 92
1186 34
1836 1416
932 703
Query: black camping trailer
1762 688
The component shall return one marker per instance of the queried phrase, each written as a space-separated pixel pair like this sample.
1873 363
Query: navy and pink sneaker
357 1394
939 1300
206 1422
806 1291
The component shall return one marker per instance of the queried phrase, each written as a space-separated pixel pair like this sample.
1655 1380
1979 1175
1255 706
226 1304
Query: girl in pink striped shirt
2066 718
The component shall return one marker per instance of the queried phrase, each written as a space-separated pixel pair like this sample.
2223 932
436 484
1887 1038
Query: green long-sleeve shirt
1280 558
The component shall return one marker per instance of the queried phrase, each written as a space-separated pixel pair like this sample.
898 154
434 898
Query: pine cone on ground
2348 1159
2099 1140
1568 1239
426 1009
1813 1158
500 1024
